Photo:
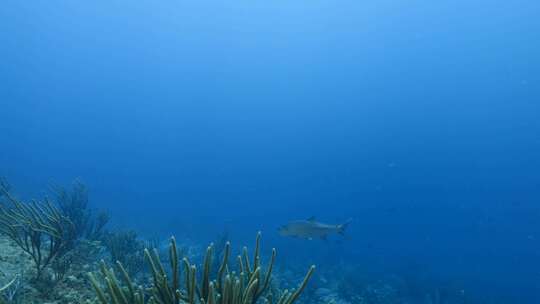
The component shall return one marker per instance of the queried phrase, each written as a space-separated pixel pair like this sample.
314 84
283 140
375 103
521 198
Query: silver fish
310 229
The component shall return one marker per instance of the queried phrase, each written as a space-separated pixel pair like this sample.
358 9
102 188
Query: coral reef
73 203
72 288
126 248
229 287
38 228
49 252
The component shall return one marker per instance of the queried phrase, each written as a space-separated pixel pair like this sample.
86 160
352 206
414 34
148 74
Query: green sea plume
38 228
249 284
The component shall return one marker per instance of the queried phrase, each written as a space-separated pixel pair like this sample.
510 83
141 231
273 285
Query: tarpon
310 229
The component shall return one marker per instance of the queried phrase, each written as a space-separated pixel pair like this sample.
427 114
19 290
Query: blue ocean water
418 120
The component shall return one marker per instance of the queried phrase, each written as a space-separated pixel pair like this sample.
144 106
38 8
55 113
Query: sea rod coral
247 285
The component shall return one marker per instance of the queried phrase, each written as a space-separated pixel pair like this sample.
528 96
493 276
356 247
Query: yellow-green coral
246 286
38 228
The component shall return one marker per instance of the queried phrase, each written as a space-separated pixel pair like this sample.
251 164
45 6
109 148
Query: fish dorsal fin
311 219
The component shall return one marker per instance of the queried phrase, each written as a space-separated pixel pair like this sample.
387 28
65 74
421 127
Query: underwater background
419 120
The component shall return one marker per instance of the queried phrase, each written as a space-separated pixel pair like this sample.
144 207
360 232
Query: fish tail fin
343 227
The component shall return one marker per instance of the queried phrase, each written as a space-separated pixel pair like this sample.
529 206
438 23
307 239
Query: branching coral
126 248
38 228
73 203
246 286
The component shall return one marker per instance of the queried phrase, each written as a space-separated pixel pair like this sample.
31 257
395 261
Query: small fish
310 229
